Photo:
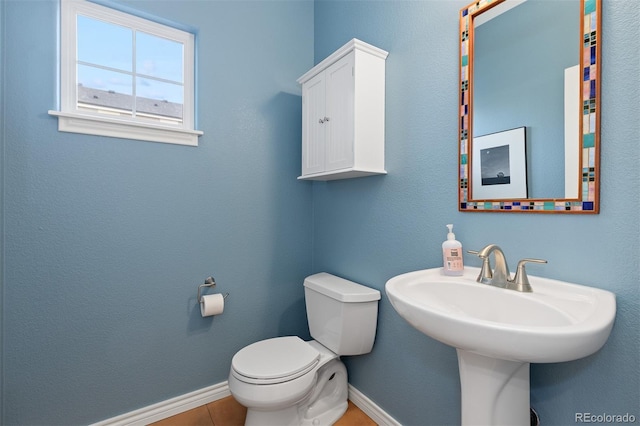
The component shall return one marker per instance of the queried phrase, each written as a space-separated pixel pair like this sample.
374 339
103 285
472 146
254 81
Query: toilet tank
342 315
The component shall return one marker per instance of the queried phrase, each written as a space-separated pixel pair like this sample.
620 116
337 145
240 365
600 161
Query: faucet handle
486 274
521 280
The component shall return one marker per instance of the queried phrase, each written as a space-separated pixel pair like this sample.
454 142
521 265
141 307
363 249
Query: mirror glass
529 106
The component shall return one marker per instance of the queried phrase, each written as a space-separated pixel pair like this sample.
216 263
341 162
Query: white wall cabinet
343 107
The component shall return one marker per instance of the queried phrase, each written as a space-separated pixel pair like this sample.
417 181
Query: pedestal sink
499 332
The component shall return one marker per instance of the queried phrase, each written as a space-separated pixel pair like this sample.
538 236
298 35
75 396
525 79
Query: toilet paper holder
208 282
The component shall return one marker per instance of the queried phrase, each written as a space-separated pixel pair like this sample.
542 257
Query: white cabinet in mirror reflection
343 107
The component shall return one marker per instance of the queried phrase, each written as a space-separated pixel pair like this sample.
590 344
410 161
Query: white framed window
125 76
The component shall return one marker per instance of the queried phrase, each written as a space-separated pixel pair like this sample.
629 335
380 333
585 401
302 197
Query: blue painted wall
106 240
374 228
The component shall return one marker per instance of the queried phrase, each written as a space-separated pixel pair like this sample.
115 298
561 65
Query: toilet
288 381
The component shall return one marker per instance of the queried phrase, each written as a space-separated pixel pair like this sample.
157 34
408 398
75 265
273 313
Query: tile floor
228 412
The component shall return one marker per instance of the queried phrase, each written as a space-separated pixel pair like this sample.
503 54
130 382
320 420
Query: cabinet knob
326 119
321 121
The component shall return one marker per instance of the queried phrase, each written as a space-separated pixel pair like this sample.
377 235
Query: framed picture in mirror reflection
500 165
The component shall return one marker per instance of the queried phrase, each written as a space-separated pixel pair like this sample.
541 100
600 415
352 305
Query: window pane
102 88
159 57
104 44
158 98
98 78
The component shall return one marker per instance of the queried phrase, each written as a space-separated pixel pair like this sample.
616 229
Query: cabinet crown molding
353 44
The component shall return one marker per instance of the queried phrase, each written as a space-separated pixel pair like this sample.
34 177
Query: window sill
92 125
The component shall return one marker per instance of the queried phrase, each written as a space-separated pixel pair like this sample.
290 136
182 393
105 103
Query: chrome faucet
500 276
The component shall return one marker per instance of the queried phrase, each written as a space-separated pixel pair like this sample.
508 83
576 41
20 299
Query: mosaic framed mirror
523 66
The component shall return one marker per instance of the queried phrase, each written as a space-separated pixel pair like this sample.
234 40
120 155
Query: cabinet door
339 111
313 125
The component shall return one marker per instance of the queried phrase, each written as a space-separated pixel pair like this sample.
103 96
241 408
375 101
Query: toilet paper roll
211 304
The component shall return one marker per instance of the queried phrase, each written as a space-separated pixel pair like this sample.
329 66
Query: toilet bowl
311 387
287 381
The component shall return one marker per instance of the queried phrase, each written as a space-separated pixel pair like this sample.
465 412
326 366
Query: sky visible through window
106 61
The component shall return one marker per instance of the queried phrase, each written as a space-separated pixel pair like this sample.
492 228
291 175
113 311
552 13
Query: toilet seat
274 360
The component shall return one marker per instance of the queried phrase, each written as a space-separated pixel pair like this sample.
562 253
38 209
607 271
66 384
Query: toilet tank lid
340 289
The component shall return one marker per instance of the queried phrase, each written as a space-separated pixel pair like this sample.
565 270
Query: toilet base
328 401
285 417
323 406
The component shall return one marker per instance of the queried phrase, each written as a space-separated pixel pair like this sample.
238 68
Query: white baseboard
180 404
370 408
170 407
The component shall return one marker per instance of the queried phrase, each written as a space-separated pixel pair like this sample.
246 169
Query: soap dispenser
452 254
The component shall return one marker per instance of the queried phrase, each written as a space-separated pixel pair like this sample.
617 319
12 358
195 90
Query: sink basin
558 322
497 333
